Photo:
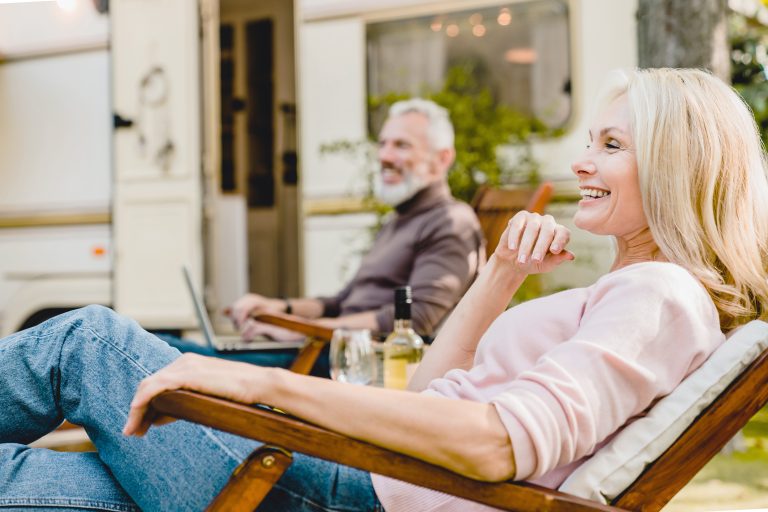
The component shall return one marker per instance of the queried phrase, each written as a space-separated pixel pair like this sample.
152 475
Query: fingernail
512 245
522 258
536 256
555 247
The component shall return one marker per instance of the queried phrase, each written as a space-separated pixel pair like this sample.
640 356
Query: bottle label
396 373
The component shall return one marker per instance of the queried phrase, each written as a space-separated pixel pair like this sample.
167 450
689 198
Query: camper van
138 137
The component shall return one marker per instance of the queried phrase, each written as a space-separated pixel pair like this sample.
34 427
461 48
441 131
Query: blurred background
233 136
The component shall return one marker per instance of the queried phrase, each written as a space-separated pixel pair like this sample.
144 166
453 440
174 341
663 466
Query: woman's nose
583 165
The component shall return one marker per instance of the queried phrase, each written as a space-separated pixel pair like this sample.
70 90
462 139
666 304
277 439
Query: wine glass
353 359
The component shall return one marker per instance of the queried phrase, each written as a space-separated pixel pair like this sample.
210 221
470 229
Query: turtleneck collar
428 197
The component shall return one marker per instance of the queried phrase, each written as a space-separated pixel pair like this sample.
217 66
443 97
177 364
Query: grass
736 481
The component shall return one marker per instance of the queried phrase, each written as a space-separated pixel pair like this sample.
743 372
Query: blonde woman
673 170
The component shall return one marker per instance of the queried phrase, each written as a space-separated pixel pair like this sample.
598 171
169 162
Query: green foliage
481 126
749 66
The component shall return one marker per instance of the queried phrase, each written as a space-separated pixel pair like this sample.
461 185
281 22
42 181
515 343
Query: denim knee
96 314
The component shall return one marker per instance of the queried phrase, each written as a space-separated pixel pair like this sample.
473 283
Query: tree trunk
683 34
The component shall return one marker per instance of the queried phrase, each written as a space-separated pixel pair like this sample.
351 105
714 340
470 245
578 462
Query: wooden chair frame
660 481
317 337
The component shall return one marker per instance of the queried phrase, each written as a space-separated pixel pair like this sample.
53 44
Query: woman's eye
612 144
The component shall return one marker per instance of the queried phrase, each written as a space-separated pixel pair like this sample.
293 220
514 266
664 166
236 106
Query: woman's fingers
515 229
535 234
560 240
543 239
141 416
530 240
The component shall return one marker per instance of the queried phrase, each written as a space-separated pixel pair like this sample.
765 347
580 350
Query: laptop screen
202 314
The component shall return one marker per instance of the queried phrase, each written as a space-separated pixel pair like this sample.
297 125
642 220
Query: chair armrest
296 323
297 435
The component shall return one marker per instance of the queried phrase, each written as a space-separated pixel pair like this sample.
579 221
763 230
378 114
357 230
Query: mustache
385 166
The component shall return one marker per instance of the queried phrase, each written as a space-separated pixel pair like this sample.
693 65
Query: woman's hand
227 379
533 243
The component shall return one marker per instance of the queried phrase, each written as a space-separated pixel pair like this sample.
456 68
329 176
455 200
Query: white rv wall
332 101
36 27
55 130
54 98
55 134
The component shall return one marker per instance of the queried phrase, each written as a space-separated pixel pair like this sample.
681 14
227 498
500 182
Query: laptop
231 343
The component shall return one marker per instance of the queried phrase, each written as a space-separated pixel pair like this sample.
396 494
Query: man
432 242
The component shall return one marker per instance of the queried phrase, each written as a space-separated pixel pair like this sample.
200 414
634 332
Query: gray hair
440 131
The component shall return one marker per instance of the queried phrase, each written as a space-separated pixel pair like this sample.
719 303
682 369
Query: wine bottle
403 348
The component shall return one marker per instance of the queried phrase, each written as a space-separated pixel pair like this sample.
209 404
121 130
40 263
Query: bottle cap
403 302
403 294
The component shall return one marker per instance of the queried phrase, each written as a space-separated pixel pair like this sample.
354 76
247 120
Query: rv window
518 51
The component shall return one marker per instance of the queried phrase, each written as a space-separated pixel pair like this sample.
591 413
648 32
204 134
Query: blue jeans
84 366
281 358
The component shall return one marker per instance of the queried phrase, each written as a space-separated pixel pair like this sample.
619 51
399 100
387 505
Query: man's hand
251 329
252 304
232 380
533 243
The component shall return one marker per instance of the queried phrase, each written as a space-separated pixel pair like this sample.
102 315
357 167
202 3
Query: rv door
156 88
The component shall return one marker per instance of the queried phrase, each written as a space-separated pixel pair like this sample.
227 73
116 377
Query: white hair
440 131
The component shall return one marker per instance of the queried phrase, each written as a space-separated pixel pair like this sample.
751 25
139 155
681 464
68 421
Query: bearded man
432 242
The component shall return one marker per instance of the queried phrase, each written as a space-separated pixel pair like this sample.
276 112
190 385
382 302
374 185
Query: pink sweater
567 371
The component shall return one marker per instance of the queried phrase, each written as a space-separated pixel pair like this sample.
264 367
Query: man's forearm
306 307
364 320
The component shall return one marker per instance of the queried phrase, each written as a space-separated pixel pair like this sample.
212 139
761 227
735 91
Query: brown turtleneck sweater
432 243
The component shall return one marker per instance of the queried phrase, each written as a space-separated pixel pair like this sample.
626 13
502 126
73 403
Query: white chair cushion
620 462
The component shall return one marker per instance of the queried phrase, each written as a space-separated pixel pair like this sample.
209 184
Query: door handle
119 121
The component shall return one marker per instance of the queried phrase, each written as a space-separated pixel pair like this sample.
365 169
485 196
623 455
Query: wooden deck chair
495 206
731 386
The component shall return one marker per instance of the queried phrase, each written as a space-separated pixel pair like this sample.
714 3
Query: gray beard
394 195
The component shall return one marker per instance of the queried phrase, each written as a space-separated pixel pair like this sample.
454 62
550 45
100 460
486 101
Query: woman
674 171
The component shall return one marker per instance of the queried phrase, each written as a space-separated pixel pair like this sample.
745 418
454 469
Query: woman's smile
592 195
